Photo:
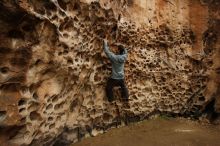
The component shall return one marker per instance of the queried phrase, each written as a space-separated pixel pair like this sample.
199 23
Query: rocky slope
53 70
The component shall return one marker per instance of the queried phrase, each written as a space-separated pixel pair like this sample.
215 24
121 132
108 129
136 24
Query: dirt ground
158 132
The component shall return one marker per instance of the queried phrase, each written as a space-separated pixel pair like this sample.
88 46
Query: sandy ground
158 132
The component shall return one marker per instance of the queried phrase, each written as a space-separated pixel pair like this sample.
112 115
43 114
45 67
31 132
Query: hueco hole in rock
54 69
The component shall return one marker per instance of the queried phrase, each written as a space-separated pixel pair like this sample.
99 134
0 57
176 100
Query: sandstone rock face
53 70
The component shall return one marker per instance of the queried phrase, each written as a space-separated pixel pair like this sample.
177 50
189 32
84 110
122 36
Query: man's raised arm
110 55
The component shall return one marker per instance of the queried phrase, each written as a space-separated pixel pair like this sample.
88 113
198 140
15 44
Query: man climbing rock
117 77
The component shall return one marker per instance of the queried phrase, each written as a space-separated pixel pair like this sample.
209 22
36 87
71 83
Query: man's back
117 62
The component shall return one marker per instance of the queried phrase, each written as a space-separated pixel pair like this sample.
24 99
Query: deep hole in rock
114 29
22 102
76 6
50 119
35 116
73 105
23 120
49 5
55 98
51 126
54 18
49 107
62 4
202 98
38 61
58 106
70 61
4 70
21 110
35 96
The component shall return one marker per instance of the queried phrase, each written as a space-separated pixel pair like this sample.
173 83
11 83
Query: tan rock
53 70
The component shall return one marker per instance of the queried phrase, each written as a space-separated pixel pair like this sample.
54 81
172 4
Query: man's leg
124 90
109 89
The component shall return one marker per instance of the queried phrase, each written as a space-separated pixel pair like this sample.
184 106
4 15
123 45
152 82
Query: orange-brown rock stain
198 18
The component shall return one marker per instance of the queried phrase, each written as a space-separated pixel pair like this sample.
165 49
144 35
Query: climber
117 77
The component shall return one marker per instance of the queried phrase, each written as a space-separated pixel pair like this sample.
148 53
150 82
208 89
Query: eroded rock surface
53 70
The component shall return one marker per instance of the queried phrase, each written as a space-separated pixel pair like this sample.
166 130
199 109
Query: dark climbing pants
114 83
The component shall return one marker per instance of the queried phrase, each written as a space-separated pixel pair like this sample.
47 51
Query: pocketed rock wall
53 70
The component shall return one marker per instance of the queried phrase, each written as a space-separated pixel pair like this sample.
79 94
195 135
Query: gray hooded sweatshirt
117 62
